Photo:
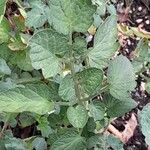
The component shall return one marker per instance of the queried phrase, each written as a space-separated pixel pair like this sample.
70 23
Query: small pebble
121 4
133 9
130 11
146 17
139 20
127 50
140 8
129 42
132 43
147 22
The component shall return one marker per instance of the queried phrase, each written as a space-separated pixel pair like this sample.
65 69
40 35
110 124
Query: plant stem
5 126
76 87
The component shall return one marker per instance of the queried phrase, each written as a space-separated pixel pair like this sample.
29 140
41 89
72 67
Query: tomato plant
53 83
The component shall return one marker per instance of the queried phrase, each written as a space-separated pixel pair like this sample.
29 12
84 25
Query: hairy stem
76 87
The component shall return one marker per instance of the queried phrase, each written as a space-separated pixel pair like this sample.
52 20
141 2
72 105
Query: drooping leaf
46 46
144 118
77 116
104 43
69 141
39 144
66 89
26 99
70 15
4 69
36 17
121 77
90 80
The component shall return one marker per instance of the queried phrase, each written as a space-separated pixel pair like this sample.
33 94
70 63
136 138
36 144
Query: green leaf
25 99
96 111
2 145
70 15
69 141
37 16
4 69
105 43
44 127
53 88
39 144
26 119
121 77
144 118
148 87
2 9
104 142
79 46
4 30
115 143
90 80
117 108
14 144
96 140
46 46
101 6
142 51
5 51
77 116
66 89
21 59
142 55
